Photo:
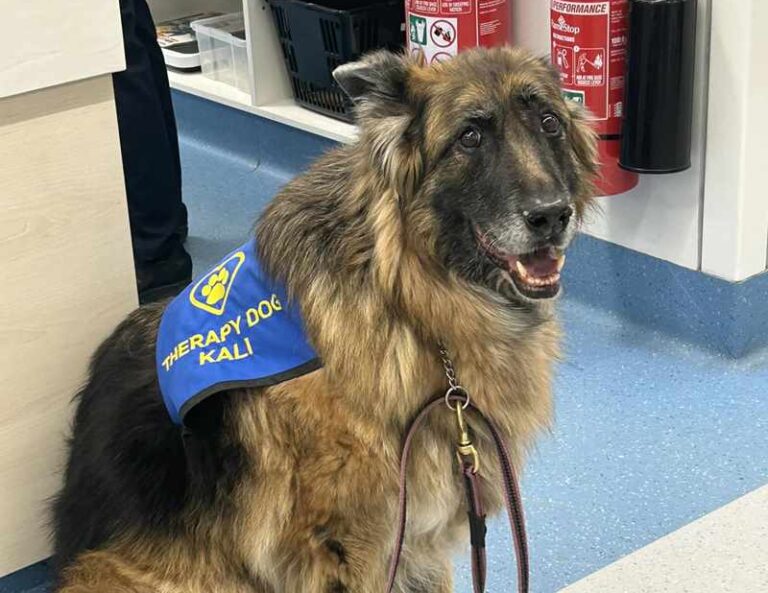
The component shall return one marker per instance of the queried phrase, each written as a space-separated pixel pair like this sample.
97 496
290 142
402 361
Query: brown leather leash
458 400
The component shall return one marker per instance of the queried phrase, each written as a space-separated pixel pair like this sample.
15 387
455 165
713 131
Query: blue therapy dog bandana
231 328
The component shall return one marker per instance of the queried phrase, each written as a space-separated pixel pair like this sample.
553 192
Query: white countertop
50 43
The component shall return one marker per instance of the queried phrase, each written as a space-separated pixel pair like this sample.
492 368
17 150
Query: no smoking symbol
443 33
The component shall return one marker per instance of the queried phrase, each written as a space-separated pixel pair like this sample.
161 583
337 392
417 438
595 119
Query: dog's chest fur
320 457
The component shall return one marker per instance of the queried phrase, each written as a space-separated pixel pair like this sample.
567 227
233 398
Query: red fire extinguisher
442 28
589 46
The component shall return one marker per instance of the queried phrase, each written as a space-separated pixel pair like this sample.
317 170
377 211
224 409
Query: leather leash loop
512 499
477 527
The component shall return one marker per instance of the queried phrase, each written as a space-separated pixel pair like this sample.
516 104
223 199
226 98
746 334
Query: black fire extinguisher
631 64
658 93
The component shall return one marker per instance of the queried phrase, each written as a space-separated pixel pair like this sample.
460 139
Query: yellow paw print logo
211 291
215 289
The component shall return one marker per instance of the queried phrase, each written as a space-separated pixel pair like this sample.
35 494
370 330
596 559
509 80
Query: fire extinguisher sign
589 46
441 28
580 49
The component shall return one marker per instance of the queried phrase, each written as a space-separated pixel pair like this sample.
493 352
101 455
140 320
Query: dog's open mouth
536 274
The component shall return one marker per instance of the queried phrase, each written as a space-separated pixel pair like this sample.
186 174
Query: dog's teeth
561 263
542 282
521 269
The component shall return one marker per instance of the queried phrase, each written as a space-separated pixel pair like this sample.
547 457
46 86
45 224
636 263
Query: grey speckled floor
650 434
725 551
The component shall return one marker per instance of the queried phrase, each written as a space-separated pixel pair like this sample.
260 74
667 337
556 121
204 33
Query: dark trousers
148 139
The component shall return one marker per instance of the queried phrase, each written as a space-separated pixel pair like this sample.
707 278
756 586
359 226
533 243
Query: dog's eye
550 124
471 138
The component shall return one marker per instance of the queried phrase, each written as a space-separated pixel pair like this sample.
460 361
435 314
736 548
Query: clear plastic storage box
223 50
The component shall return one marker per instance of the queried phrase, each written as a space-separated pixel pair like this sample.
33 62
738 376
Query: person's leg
150 158
146 32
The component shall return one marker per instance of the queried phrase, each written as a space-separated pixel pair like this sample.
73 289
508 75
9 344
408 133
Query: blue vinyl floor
651 432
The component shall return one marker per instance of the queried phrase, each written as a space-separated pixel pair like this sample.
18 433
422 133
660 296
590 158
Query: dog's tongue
540 264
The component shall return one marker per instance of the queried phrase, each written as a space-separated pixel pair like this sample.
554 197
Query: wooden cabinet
66 280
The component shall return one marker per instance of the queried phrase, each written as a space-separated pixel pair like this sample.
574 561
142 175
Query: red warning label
456 6
589 42
442 28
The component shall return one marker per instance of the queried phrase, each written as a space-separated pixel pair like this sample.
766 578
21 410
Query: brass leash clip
460 397
465 448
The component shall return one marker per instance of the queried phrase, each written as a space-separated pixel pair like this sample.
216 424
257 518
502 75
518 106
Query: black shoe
165 277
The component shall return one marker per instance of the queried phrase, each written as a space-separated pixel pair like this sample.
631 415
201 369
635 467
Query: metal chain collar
450 372
465 449
454 388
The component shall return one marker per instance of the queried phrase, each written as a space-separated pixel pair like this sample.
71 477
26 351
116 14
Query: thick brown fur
303 478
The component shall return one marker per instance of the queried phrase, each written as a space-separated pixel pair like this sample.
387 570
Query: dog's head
493 168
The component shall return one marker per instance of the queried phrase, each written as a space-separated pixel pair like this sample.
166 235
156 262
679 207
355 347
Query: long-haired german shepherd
444 223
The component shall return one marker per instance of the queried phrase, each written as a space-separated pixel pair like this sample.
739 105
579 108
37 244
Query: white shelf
285 111
289 113
197 84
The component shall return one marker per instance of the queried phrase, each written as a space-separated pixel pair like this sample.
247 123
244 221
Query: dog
444 223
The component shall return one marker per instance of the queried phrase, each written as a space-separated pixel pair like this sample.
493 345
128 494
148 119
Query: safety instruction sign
442 28
589 41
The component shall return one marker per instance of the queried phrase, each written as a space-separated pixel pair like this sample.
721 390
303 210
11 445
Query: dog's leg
98 572
341 556
352 561
110 572
425 572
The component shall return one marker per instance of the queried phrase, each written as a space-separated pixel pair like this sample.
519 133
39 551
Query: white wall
716 222
168 9
662 215
48 42
735 225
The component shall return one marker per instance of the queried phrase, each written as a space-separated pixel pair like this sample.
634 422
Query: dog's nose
548 221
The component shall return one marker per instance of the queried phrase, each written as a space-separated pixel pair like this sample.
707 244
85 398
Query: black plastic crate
318 36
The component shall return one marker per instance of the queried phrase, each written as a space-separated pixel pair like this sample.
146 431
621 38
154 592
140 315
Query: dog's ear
378 77
385 110
583 138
